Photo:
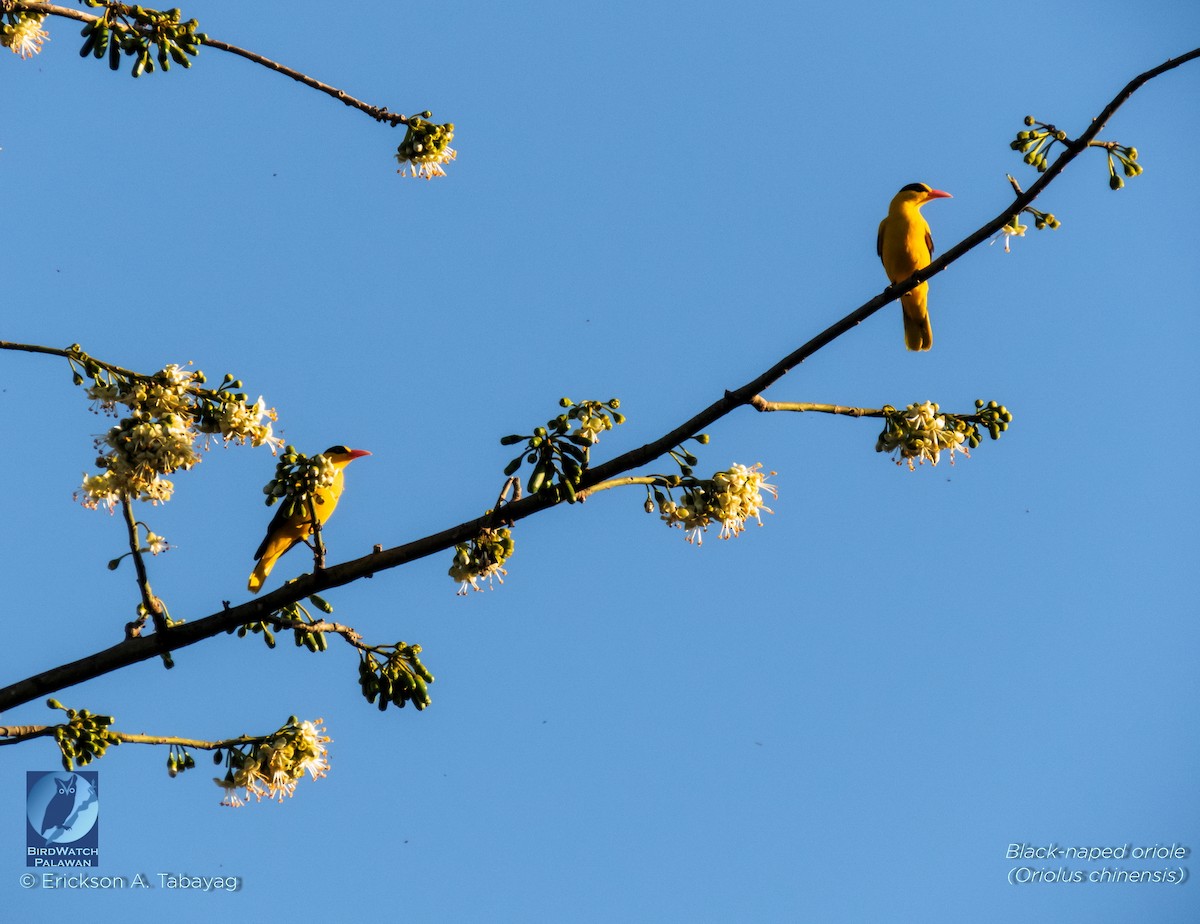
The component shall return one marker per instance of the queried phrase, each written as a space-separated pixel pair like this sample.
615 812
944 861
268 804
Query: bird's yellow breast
327 498
903 241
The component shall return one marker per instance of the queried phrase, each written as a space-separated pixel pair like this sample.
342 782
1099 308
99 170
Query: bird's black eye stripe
915 187
336 451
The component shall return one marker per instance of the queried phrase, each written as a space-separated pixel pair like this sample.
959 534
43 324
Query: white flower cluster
920 433
730 498
428 166
481 559
591 426
24 37
272 768
142 451
166 413
243 423
425 148
1014 228
156 544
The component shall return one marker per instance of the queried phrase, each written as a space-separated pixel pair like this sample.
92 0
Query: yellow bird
284 532
905 246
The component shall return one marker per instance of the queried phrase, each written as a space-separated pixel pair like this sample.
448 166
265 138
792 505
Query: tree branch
15 734
183 634
378 113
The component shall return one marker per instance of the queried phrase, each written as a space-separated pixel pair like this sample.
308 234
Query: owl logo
60 807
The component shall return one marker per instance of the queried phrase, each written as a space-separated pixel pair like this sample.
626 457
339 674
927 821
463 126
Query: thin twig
134 738
318 544
759 403
14 734
351 635
378 113
618 483
75 355
152 604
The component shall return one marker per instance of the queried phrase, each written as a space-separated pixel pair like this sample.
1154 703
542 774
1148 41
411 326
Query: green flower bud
1028 120
1115 182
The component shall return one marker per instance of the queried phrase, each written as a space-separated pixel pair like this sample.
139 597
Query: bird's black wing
276 522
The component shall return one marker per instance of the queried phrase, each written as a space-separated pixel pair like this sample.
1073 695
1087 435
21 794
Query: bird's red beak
938 194
358 454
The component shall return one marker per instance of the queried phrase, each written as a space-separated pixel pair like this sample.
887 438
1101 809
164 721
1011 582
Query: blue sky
847 715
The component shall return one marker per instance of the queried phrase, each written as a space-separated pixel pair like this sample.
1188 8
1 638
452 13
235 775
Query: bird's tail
274 545
259 575
918 333
272 549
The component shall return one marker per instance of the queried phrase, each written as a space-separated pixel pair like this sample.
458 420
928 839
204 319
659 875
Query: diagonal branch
131 651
